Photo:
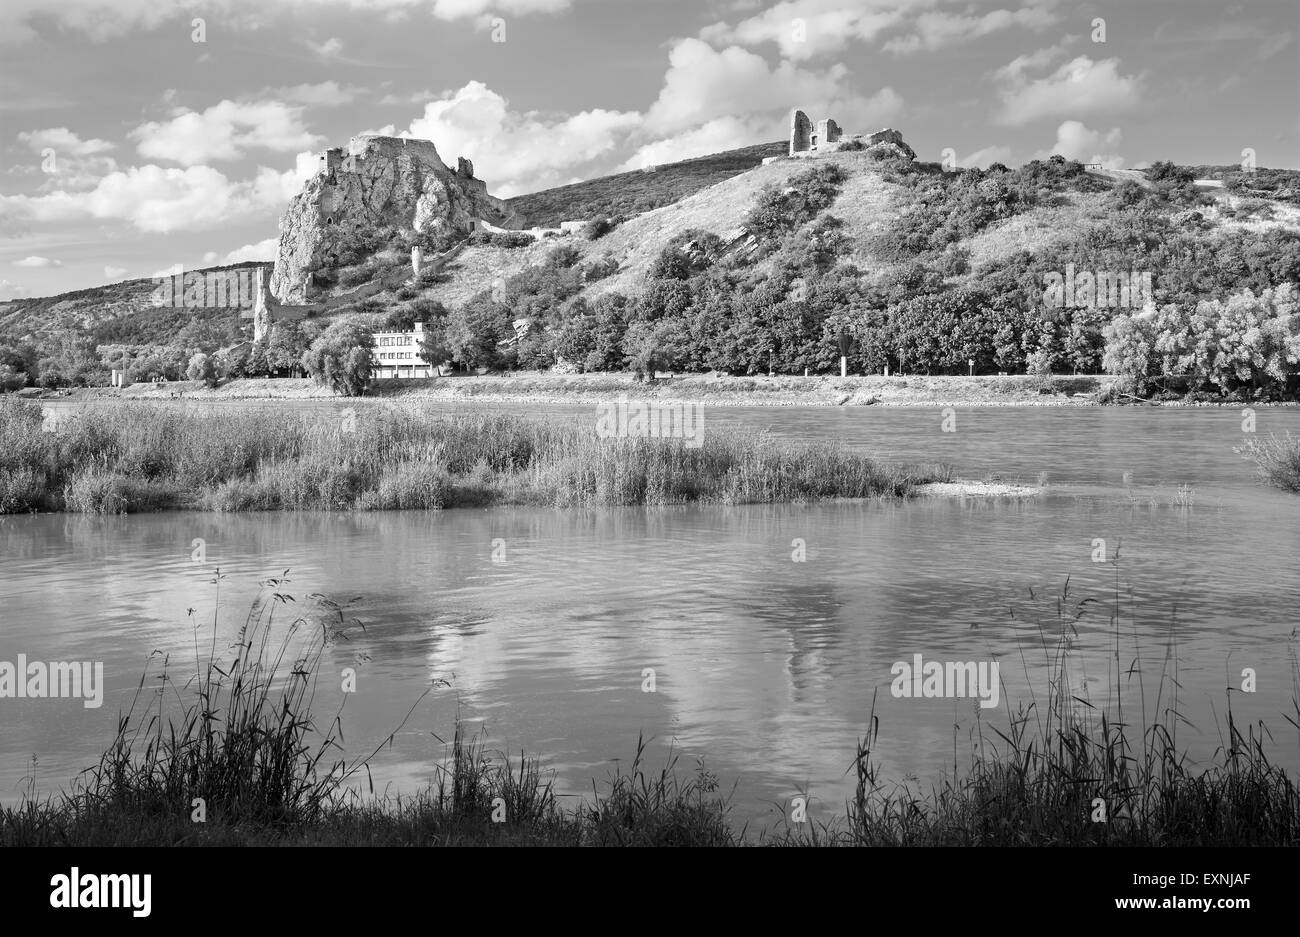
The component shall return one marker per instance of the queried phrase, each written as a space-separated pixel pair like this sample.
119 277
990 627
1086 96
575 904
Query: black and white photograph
650 423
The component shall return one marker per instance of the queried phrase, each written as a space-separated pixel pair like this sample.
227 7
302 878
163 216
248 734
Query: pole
844 366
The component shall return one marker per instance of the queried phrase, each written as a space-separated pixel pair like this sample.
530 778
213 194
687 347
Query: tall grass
1065 770
124 458
1278 459
241 734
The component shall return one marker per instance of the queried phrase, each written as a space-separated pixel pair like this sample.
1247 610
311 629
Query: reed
125 458
240 733
1277 458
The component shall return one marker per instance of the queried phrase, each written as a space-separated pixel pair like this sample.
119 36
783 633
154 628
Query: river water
770 630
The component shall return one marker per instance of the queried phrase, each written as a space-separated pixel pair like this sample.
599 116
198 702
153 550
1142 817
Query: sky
138 135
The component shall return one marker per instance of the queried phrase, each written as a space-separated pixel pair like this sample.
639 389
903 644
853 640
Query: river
770 630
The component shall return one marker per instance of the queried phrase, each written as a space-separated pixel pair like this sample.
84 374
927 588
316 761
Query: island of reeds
126 458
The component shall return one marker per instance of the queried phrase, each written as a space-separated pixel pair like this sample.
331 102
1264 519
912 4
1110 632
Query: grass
1278 459
125 458
633 192
241 734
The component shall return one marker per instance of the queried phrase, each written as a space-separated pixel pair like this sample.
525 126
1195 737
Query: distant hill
888 233
124 313
631 193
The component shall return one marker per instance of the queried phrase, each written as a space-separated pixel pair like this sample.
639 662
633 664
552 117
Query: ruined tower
800 132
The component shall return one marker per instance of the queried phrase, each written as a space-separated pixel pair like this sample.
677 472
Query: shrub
341 358
203 368
597 228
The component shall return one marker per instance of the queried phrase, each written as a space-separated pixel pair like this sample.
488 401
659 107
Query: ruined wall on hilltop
375 182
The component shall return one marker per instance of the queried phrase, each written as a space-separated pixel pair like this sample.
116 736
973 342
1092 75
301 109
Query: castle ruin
827 137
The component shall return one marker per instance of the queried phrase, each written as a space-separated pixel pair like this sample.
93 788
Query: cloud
9 290
322 94
985 157
327 49
722 133
62 140
937 30
473 9
262 250
517 151
803 29
703 83
1080 86
1075 141
224 131
100 20
157 199
112 273
38 262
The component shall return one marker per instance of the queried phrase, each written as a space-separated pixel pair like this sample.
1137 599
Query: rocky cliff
376 182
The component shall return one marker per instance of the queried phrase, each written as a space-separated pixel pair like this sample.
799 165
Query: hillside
630 193
750 266
125 312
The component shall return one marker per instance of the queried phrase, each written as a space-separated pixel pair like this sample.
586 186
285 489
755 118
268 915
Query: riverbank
122 459
710 390
240 739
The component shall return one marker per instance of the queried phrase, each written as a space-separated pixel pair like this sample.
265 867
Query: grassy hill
122 313
630 193
723 263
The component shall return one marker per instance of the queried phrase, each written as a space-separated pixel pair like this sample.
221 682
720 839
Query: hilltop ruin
827 137
376 182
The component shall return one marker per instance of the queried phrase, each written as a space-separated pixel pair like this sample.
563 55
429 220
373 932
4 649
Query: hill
631 193
749 266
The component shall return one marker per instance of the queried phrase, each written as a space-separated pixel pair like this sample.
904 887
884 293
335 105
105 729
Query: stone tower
800 132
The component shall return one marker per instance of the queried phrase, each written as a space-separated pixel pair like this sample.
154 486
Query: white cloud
935 30
107 19
112 273
1080 86
703 83
722 133
153 198
1075 141
803 29
262 250
38 262
517 151
224 131
327 49
9 290
322 94
473 9
63 141
985 157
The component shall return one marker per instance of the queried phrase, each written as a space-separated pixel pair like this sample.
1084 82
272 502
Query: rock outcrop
376 182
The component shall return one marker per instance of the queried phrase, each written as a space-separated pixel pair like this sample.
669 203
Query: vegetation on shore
130 458
1278 459
241 738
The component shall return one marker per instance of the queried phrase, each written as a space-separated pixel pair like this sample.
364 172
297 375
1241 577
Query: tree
202 367
11 379
285 346
342 358
474 332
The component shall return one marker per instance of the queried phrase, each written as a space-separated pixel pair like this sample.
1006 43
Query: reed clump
140 457
241 736
1277 458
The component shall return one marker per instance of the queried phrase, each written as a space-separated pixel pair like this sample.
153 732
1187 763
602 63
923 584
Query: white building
397 354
